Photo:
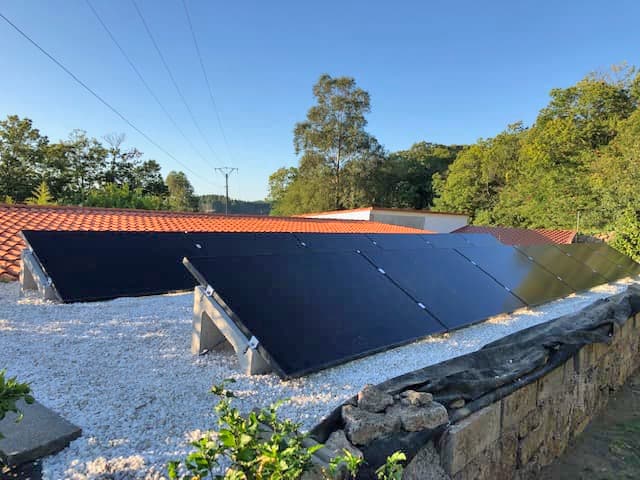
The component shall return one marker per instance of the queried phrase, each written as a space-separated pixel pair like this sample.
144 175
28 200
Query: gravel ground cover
123 371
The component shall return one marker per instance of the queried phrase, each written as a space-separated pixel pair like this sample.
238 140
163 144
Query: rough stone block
496 462
41 432
517 405
415 419
469 437
550 384
363 427
425 466
374 400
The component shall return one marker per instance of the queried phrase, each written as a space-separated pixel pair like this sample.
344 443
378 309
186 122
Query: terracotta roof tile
14 218
522 236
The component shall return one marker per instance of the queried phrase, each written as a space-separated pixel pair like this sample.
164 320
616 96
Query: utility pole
226 171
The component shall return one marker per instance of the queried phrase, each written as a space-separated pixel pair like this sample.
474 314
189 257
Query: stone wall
526 430
516 419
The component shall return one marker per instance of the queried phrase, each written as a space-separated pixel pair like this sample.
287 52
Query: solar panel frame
443 280
446 240
333 242
348 268
399 241
513 262
481 239
587 254
107 264
213 244
580 277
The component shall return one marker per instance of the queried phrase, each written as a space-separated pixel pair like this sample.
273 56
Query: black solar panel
573 272
454 290
526 279
216 243
399 241
90 266
481 239
446 240
630 266
334 242
315 310
587 254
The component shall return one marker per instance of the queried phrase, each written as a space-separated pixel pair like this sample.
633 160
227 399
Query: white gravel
122 370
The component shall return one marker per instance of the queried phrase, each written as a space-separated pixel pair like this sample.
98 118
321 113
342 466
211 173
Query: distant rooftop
523 236
380 209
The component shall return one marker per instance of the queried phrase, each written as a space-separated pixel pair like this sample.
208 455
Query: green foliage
10 392
215 203
258 446
181 195
627 234
347 460
114 196
81 170
579 157
392 469
41 196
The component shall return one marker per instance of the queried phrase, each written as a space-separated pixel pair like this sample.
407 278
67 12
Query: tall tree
181 195
334 128
21 157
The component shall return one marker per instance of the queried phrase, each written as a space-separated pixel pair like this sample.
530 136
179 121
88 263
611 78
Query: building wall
435 222
346 215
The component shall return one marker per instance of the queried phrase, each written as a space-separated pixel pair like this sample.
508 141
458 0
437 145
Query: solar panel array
316 300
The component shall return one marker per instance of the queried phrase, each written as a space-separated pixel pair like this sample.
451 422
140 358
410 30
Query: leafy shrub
627 234
10 392
260 446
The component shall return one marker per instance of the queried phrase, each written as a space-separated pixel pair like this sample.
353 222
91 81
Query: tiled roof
522 236
14 218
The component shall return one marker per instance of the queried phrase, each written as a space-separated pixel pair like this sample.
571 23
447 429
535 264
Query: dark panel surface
446 240
631 267
587 254
334 242
399 241
575 273
481 239
514 270
457 292
216 243
315 310
89 266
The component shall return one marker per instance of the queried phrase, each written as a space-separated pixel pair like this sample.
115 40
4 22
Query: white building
438 222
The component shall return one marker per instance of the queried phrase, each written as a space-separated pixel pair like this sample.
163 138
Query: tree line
84 171
577 165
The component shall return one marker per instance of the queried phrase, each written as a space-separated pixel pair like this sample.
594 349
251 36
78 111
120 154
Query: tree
334 128
21 157
180 192
41 196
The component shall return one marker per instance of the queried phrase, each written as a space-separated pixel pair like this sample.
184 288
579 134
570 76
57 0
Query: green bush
260 446
627 234
10 392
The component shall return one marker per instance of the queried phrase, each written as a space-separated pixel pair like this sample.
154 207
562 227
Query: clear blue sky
441 71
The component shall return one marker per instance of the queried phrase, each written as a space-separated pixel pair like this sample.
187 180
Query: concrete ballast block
41 432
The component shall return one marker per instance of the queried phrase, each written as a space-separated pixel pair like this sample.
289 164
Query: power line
92 92
226 171
143 81
206 77
171 77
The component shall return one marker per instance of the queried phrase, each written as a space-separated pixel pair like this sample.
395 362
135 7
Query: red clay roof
14 218
522 236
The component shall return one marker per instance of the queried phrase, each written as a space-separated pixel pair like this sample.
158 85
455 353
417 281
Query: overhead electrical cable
172 78
97 96
206 78
143 81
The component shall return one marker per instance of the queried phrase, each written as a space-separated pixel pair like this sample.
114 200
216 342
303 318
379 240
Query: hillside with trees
577 164
84 171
